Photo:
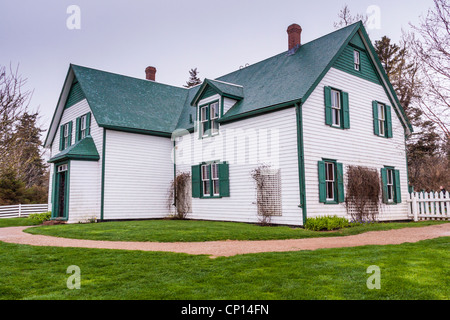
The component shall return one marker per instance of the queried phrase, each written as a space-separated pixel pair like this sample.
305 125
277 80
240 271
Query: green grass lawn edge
198 231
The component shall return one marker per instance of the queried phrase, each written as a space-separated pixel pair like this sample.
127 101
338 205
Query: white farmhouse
305 115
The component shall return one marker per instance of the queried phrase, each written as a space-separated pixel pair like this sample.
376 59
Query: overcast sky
125 37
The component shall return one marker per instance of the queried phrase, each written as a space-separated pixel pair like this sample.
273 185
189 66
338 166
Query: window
337 113
390 185
62 168
65 138
331 182
356 60
382 122
83 127
210 180
336 108
390 178
206 180
209 114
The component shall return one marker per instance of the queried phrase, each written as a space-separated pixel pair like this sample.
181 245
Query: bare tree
430 43
346 18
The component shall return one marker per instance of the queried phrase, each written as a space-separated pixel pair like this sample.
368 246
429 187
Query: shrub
40 217
326 223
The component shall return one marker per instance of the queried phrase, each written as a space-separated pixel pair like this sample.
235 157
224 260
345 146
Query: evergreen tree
193 79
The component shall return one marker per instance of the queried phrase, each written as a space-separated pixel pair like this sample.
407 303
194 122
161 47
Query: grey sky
174 36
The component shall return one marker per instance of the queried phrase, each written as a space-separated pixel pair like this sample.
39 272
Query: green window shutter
196 181
224 180
78 130
388 122
70 134
345 111
340 182
61 138
322 184
376 129
328 118
384 185
398 192
88 124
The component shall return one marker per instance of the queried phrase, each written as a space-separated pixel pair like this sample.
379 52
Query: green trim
259 112
55 196
102 200
301 160
136 130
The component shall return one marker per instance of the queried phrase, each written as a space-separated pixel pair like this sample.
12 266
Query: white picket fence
22 210
429 206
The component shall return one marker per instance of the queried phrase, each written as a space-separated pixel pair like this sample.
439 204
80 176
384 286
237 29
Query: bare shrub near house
268 193
363 194
180 195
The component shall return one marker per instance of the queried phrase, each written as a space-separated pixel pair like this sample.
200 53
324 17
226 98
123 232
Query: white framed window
215 179
381 119
390 185
214 112
62 168
329 180
205 180
204 121
336 108
356 60
83 126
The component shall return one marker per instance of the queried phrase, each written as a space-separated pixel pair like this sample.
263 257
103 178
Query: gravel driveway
234 247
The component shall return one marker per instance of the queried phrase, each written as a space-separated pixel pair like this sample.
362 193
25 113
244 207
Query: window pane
215 171
214 127
205 172
203 114
216 187
215 110
330 191
206 191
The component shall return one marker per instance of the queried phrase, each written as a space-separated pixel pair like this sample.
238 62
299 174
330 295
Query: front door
60 207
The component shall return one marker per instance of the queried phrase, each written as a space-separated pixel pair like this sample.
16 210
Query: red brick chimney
294 35
150 73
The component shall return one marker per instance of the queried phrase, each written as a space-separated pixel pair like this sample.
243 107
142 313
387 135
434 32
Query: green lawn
16 222
191 230
408 271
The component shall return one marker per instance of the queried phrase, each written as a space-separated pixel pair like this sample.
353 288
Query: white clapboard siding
138 174
71 114
429 206
355 146
227 104
236 144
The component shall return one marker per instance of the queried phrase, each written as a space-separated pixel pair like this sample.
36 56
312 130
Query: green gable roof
82 150
211 87
121 102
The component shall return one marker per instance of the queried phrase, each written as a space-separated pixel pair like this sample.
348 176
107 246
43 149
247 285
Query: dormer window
209 114
356 60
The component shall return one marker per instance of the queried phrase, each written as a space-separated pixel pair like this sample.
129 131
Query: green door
61 194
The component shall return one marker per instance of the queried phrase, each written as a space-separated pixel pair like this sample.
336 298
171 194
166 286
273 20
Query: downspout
174 174
301 160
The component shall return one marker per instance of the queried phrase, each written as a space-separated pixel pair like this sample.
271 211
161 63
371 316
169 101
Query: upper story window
83 126
337 112
209 114
382 122
356 60
65 138
336 108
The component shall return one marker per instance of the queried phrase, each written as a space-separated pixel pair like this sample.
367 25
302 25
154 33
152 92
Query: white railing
22 210
429 206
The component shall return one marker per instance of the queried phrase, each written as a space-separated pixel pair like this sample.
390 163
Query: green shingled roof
82 150
122 102
138 105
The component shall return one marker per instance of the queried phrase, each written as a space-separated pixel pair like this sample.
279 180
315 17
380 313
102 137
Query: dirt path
234 247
